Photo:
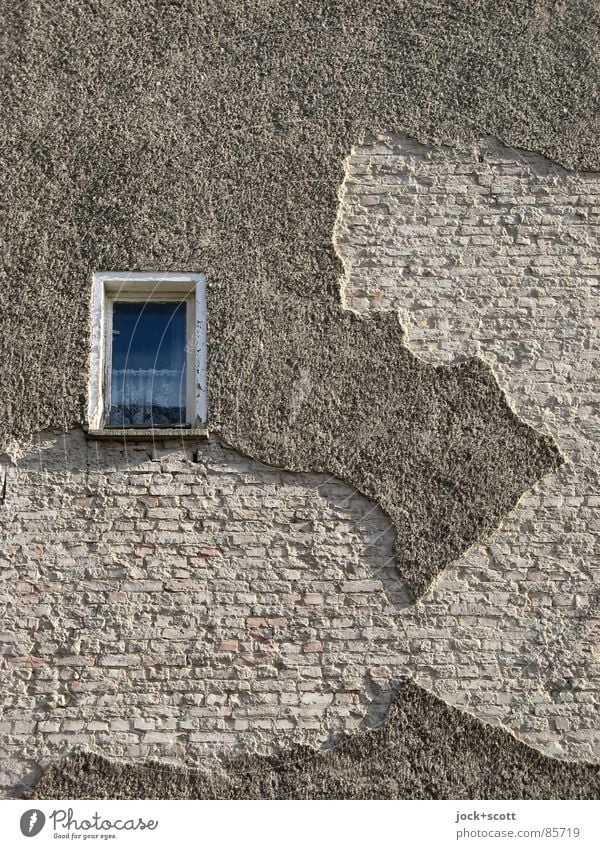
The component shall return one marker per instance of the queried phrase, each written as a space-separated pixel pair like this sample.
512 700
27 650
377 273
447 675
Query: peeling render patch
125 150
123 154
494 252
437 448
186 604
425 750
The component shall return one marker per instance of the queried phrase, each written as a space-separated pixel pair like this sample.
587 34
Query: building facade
393 477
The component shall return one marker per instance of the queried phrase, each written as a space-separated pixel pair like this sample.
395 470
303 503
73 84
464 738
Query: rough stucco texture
189 606
425 750
503 264
210 137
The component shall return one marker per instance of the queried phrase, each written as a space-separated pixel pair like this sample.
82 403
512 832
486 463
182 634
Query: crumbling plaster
136 157
210 137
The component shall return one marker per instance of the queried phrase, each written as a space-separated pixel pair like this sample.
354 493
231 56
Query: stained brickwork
189 604
493 252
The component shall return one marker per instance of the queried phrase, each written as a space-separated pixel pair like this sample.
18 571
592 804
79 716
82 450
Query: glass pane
148 379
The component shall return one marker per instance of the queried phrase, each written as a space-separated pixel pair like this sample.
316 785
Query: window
148 356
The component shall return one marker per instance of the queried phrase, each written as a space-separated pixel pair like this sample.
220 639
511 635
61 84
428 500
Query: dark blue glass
148 370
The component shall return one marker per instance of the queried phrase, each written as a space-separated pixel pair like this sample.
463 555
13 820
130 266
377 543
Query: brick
313 598
256 622
277 622
120 660
361 586
117 597
142 586
312 647
163 737
97 726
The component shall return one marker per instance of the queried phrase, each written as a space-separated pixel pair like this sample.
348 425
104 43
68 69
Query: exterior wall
189 604
210 137
493 252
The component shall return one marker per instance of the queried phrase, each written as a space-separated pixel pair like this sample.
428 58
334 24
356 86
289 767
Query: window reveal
148 352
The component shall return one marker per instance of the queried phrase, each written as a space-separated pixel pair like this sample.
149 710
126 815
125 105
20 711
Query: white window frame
111 286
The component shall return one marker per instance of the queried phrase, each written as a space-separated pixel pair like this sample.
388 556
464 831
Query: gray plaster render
184 604
210 136
495 253
425 750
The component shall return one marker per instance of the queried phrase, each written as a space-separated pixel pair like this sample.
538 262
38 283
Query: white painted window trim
108 286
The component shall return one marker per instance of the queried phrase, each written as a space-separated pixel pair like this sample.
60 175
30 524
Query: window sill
154 434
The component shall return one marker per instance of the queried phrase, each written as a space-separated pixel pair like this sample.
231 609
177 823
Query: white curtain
137 393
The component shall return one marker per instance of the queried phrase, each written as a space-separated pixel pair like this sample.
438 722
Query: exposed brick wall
185 610
158 606
188 611
493 252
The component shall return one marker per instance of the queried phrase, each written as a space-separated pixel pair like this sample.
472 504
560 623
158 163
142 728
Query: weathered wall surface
186 610
189 605
126 151
210 136
492 252
424 750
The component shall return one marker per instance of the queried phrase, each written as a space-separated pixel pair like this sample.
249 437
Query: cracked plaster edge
322 751
457 361
488 538
403 314
30 449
